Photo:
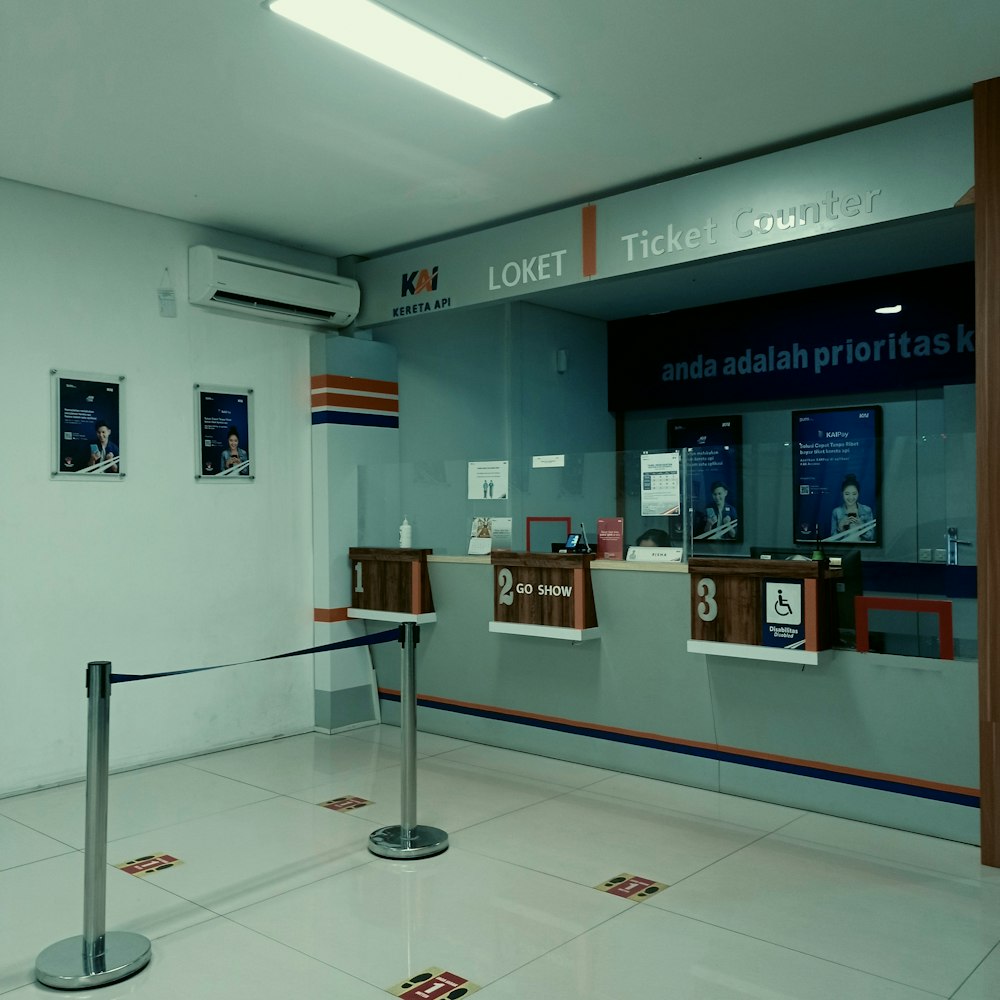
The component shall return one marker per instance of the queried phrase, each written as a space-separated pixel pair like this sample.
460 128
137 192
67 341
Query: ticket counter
848 736
783 610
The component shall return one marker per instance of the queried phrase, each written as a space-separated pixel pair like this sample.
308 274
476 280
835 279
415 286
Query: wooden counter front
726 598
538 588
394 580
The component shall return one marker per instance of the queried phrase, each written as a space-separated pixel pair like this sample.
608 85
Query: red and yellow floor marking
433 984
148 864
632 887
346 803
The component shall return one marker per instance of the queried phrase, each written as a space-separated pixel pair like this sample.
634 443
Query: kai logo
419 281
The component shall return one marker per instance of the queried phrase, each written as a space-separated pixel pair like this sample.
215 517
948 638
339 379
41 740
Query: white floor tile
961 860
242 856
428 744
449 796
470 915
588 838
297 762
984 983
697 801
137 800
42 903
560 772
763 902
219 959
20 845
639 954
920 928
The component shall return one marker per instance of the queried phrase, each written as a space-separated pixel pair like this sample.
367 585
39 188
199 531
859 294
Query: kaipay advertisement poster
837 475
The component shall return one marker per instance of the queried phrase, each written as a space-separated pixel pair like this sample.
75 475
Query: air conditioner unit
267 289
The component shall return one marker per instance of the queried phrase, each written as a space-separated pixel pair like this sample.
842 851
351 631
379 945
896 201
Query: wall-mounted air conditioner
267 289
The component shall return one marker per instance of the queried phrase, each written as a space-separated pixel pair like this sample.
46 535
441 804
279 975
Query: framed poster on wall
88 425
837 475
713 446
223 434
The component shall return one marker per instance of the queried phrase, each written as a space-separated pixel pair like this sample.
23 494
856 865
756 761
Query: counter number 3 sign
708 608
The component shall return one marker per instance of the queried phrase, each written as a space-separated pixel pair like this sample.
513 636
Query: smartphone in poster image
837 475
713 447
224 428
88 427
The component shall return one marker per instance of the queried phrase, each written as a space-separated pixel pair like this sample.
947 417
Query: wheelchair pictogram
781 606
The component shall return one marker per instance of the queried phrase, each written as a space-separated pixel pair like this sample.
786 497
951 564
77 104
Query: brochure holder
544 594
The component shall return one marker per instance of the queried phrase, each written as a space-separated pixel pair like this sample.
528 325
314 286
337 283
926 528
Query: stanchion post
410 636
95 850
95 958
408 841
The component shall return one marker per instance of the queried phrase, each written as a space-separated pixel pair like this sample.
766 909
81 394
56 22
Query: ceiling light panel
402 45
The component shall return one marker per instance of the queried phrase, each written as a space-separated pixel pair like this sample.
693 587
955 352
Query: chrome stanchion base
423 842
65 965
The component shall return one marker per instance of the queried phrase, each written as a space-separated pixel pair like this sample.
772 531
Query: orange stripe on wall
589 225
344 401
330 615
356 384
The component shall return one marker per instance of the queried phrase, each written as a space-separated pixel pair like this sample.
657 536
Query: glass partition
924 506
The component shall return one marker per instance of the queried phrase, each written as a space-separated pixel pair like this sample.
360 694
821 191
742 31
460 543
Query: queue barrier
99 957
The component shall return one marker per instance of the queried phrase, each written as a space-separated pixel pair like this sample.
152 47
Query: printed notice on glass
660 489
488 480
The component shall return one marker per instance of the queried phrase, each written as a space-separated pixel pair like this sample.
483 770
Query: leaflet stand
393 585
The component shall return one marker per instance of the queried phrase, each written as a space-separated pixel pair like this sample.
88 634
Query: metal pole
408 841
408 736
96 839
95 958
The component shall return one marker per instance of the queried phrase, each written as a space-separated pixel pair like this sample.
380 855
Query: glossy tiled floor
277 897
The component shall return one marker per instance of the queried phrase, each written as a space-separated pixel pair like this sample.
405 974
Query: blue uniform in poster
843 520
103 452
724 520
229 459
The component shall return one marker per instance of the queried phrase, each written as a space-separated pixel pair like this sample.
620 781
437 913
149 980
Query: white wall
156 572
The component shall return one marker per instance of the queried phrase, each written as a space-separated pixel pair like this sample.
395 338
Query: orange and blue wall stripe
343 399
916 787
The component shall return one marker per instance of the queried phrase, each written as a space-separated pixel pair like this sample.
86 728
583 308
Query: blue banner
814 343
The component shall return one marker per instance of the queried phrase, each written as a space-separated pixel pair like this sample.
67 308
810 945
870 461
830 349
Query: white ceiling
219 112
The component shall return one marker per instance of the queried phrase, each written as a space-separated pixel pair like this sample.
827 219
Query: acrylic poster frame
88 426
218 411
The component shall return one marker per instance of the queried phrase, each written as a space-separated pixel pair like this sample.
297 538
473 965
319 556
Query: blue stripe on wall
359 419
